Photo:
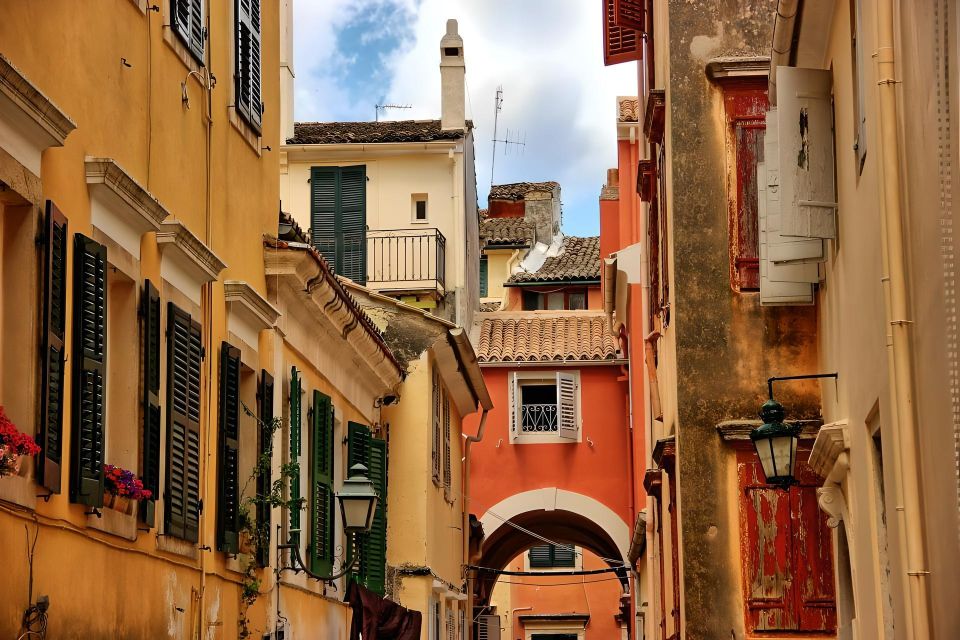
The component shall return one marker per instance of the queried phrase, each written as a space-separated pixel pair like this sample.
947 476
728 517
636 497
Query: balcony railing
538 418
406 259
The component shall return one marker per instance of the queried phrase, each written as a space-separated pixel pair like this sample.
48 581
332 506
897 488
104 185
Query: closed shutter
629 14
296 392
620 44
323 211
488 627
186 18
807 179
541 557
358 448
182 495
247 71
352 219
228 467
322 500
89 370
437 411
484 277
52 359
264 464
374 556
451 625
812 539
567 414
150 317
514 409
447 470
564 556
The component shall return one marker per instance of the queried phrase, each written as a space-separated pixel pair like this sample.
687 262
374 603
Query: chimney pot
452 79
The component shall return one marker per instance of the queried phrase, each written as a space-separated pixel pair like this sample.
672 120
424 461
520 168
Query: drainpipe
900 351
782 45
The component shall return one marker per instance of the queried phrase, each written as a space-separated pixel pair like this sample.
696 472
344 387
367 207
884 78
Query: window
293 452
363 448
745 108
247 62
322 509
451 625
338 218
565 299
548 556
859 106
436 392
545 406
186 18
419 207
447 470
264 452
182 491
228 442
150 398
434 630
788 567
484 276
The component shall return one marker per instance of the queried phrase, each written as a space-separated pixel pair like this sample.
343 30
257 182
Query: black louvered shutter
186 18
352 222
264 464
89 370
50 436
247 55
150 317
296 416
228 465
322 498
323 211
182 495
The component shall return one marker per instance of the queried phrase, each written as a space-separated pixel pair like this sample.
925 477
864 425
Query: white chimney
452 77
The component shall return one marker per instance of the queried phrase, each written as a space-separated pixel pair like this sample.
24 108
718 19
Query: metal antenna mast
384 107
497 107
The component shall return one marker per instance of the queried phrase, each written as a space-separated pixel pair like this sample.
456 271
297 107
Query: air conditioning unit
488 628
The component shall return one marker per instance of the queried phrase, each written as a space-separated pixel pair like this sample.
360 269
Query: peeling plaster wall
726 344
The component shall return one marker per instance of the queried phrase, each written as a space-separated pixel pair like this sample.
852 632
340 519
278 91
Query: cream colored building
393 205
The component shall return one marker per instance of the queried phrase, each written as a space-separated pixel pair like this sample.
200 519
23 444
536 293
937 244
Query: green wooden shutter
295 422
373 557
541 557
447 471
264 464
186 18
247 57
436 390
484 278
52 359
358 448
182 492
322 498
323 211
150 317
352 223
89 370
228 464
564 557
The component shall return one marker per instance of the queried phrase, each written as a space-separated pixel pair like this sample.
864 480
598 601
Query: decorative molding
189 251
739 430
105 172
654 118
247 299
832 441
727 69
831 501
23 93
653 482
665 453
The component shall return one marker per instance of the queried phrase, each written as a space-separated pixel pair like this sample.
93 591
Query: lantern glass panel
358 512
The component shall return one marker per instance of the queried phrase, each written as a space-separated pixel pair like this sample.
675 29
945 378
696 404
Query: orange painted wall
514 296
600 471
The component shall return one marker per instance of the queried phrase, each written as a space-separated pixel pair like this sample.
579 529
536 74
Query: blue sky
558 96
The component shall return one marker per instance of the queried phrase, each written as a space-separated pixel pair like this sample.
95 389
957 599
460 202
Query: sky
350 55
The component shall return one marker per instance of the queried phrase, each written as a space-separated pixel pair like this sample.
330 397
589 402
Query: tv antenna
384 107
506 141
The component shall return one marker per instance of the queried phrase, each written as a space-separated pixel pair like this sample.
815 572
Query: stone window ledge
20 491
115 523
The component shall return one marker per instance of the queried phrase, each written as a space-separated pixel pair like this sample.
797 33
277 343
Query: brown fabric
378 618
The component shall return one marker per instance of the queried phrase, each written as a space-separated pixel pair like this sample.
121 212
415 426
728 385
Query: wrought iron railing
538 418
406 258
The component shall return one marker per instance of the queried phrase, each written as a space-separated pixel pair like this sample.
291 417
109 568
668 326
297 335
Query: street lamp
776 445
358 503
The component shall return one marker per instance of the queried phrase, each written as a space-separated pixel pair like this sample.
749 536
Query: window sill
180 49
141 5
20 491
544 439
115 523
176 546
237 563
249 135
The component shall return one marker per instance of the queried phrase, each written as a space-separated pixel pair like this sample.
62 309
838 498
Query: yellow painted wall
499 263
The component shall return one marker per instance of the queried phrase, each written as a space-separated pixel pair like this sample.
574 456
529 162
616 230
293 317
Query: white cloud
546 55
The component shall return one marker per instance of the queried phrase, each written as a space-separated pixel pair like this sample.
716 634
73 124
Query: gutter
550 283
782 45
554 363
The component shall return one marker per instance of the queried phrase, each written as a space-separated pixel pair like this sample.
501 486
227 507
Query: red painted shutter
50 436
813 553
619 43
766 551
629 14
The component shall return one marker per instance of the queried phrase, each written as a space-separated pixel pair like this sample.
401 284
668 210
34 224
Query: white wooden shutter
806 152
567 414
514 403
772 292
488 627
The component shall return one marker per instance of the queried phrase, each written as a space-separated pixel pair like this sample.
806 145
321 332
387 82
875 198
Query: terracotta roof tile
517 190
506 231
372 132
628 109
578 260
540 337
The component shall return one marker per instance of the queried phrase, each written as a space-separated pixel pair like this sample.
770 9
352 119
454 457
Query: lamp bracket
299 565
811 376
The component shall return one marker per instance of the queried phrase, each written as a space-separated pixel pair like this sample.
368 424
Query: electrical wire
557 584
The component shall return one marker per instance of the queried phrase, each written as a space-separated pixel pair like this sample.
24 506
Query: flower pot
9 461
246 544
118 503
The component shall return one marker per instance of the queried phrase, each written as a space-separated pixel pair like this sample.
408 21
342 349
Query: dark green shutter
186 18
564 557
358 447
322 498
89 370
483 276
228 464
540 557
447 470
182 494
247 57
338 218
150 317
264 464
295 417
52 358
373 557
547 556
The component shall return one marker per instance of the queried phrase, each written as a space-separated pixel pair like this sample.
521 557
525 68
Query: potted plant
122 489
13 446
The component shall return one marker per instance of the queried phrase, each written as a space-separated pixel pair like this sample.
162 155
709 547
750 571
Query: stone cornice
33 102
106 172
190 249
254 305
726 69
832 441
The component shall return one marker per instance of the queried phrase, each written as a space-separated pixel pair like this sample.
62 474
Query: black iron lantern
776 444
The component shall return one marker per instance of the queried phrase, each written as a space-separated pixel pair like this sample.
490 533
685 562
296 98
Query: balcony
406 260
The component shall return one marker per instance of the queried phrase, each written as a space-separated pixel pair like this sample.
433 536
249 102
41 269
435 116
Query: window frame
517 379
543 296
415 199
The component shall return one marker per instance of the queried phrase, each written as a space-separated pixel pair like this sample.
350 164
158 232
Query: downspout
783 28
898 318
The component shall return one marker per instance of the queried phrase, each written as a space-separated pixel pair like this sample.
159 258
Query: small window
577 300
555 300
538 408
419 207
545 406
548 556
484 276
